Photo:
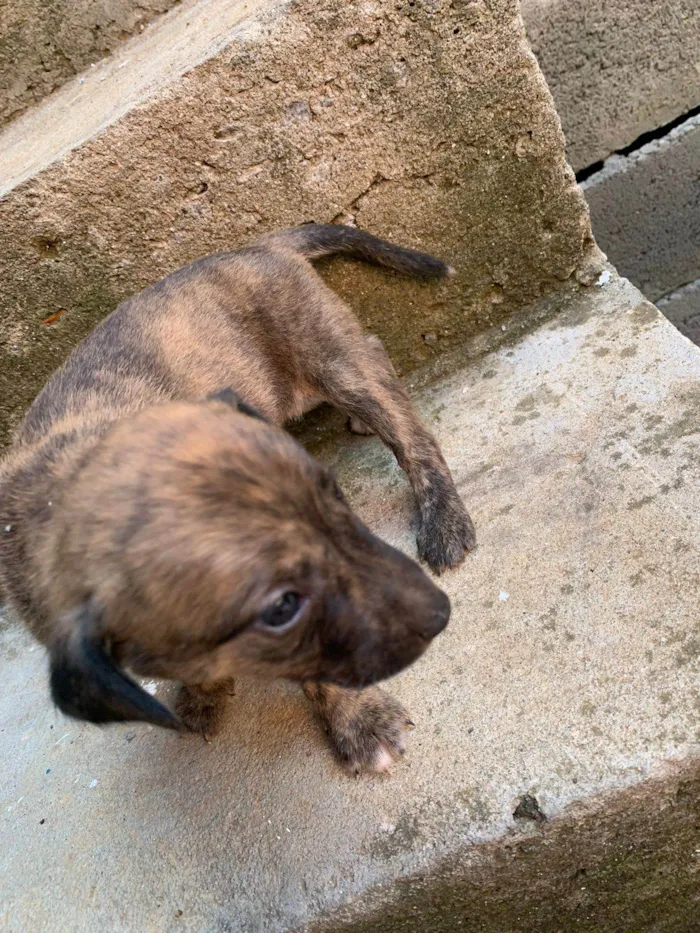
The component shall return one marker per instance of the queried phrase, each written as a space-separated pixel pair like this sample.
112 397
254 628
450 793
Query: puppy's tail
316 240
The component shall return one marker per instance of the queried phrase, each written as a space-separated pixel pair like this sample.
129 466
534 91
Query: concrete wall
43 43
616 68
430 125
645 210
682 308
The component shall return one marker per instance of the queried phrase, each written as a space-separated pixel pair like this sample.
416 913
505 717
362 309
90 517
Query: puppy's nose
436 617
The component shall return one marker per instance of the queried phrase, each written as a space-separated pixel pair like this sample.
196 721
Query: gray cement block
569 674
616 68
682 308
427 123
645 211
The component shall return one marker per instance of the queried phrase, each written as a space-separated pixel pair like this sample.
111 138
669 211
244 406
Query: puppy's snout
436 617
425 609
393 612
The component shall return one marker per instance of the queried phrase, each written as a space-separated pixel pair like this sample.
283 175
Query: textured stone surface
43 43
645 211
568 674
174 44
616 68
427 123
627 861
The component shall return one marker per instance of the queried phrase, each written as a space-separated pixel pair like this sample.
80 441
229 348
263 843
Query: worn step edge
144 65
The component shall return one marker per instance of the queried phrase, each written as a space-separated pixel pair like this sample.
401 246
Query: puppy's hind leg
361 381
202 706
355 425
366 727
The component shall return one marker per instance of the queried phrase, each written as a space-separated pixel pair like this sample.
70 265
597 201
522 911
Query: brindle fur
149 519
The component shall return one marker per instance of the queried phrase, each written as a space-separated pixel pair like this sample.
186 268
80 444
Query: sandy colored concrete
645 211
193 32
426 123
568 673
44 43
682 308
616 68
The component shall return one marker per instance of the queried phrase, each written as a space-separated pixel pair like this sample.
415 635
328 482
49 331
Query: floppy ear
235 401
86 683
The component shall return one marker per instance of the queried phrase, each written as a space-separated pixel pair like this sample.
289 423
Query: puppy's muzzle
388 619
434 620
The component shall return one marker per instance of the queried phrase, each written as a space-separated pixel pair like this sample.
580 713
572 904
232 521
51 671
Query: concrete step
101 95
46 44
427 123
552 780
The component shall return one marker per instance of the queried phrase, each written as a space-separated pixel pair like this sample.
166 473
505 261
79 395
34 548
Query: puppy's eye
283 611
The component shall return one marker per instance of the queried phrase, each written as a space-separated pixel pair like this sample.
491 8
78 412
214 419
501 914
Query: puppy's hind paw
357 426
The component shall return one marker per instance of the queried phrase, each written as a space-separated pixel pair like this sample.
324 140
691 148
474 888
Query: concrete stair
552 782
567 679
429 125
45 44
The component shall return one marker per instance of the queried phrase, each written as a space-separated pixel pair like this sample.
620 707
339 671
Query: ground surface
570 667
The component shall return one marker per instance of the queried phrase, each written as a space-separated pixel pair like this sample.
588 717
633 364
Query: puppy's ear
86 683
229 397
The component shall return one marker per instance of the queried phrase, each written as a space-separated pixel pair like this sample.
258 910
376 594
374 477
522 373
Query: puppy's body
136 518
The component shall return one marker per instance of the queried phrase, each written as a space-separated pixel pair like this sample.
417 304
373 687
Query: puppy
155 516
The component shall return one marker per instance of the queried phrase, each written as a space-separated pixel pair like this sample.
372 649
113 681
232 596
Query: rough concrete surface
569 674
192 33
645 211
427 123
682 308
616 68
43 43
628 862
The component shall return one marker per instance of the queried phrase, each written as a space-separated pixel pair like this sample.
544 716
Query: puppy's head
199 543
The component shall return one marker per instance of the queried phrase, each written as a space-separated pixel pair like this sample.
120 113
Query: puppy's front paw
366 727
202 709
445 534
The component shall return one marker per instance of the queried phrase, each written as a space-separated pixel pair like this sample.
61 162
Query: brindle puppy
154 520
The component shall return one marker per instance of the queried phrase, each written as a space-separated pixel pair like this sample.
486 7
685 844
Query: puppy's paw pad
383 760
444 538
201 713
372 738
357 426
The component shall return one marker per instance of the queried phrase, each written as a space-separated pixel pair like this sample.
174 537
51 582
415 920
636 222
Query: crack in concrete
680 292
643 145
